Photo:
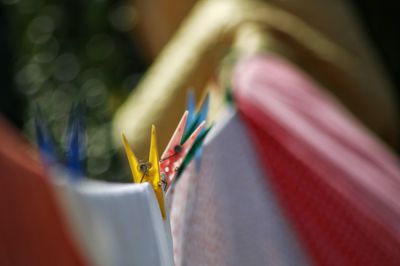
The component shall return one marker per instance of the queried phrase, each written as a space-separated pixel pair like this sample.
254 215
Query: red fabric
339 186
31 228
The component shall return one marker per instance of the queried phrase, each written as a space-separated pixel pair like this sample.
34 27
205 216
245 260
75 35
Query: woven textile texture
226 215
118 224
338 184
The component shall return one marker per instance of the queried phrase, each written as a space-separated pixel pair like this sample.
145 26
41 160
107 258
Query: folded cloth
118 224
336 181
227 215
32 229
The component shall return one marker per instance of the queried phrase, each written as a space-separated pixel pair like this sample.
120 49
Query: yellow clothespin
147 171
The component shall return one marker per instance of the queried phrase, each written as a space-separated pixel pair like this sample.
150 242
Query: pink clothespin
176 151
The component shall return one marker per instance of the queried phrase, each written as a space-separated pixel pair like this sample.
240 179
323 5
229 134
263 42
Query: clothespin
201 115
192 152
75 142
191 107
176 150
147 171
74 146
44 139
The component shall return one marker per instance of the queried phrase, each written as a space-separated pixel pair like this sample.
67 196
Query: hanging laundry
226 214
335 181
117 224
32 228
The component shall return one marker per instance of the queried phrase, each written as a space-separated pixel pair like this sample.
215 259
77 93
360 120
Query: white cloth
228 214
117 224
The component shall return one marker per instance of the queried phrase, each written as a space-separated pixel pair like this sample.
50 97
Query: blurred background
56 52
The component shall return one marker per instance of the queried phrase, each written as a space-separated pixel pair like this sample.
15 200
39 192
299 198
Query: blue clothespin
202 116
75 143
194 121
191 108
44 139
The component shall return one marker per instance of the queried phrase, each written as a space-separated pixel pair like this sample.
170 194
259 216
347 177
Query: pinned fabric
225 214
177 149
336 182
32 228
147 171
118 224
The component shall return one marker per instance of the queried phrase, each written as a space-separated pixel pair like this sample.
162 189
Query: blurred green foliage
71 50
